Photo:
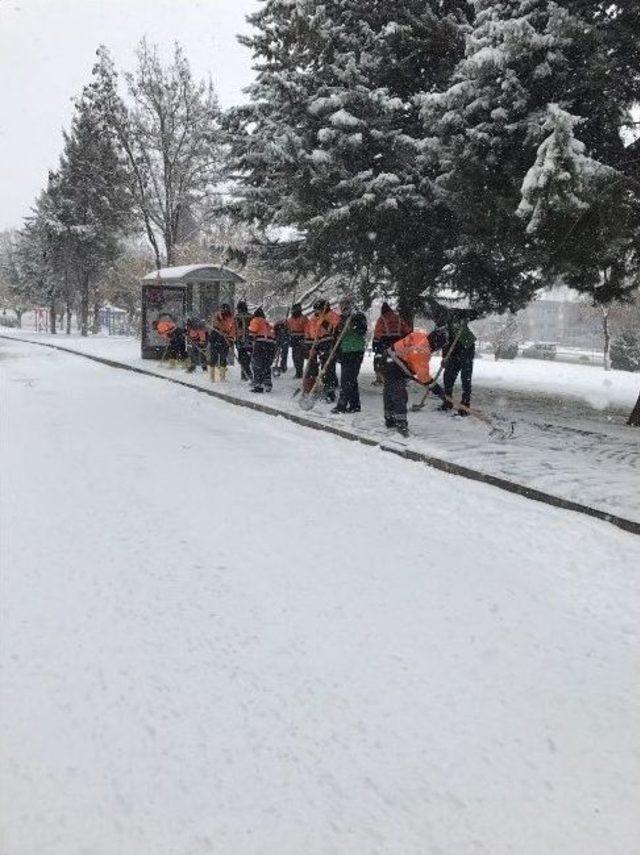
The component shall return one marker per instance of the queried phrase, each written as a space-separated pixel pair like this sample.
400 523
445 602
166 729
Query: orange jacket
261 330
165 328
197 334
415 352
390 325
322 327
297 326
227 326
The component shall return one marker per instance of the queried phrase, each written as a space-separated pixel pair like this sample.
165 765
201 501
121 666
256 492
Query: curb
406 453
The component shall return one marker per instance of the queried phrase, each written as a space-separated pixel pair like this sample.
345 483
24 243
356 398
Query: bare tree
169 131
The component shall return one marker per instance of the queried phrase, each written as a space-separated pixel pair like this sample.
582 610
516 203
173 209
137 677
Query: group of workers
323 339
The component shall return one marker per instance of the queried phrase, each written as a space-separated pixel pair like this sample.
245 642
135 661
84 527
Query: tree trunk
95 325
53 318
634 418
168 243
84 305
69 313
607 338
19 313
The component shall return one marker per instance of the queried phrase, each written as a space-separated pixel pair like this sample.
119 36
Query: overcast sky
47 50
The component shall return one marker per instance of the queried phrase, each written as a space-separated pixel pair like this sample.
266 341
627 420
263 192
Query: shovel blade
307 401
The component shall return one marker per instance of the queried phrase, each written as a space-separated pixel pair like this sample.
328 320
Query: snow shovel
312 353
308 399
276 371
420 405
496 431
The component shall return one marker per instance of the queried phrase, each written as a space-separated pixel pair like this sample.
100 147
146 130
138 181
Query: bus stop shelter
194 290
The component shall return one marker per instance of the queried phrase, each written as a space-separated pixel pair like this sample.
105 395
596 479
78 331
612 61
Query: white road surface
222 633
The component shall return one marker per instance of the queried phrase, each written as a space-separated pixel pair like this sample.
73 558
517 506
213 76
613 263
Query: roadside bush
508 350
625 352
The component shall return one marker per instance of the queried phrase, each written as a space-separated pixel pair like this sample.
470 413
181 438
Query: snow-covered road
223 633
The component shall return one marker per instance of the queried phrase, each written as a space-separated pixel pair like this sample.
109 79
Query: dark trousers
395 394
218 349
460 362
261 359
349 392
330 377
175 346
244 358
297 355
197 355
283 345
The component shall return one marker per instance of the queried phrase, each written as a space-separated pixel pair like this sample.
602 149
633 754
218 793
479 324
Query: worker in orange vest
408 359
195 333
297 325
320 336
264 347
172 337
390 327
221 337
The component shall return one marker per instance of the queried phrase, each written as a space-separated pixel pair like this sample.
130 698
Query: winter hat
242 307
259 312
296 310
384 308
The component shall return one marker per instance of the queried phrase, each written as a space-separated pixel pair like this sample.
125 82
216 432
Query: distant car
541 350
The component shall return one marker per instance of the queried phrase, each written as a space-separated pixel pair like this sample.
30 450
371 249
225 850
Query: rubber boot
171 363
222 373
212 373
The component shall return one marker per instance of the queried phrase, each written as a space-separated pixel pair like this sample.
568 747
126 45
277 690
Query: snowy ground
223 633
571 438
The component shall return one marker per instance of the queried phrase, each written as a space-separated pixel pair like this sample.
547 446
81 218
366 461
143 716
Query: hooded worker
221 339
320 336
297 324
264 347
172 337
390 327
408 359
351 340
195 334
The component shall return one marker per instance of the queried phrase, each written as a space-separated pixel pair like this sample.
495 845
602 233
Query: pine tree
529 66
330 141
90 197
41 254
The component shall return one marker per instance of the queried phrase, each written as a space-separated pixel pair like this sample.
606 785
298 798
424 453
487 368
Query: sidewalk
570 434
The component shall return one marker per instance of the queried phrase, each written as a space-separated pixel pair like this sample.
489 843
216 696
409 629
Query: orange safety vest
390 325
261 330
415 352
197 335
227 326
297 326
320 328
165 328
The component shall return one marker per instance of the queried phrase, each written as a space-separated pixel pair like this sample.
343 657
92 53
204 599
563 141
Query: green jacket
355 338
456 321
